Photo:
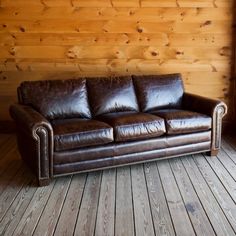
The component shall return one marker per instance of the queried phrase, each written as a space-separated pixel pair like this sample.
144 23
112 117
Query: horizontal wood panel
48 39
117 65
124 14
115 39
120 3
113 52
113 26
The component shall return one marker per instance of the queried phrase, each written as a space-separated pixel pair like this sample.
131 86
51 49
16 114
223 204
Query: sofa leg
43 182
212 153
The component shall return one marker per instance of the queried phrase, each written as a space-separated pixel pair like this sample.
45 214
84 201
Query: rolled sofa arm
216 109
35 140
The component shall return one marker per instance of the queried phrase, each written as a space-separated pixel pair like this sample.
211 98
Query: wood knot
22 29
139 30
154 54
179 53
208 22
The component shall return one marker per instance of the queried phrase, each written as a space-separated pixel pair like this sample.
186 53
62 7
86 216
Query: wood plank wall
51 39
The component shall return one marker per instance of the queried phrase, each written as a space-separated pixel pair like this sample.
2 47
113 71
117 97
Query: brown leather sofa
79 125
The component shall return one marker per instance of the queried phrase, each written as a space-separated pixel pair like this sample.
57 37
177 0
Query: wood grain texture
59 39
124 203
105 222
168 197
220 193
160 211
71 206
86 219
48 221
178 211
193 206
215 214
142 211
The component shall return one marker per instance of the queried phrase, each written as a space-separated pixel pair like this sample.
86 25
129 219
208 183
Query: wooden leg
43 182
212 153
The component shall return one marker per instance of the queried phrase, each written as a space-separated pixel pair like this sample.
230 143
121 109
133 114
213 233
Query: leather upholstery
112 94
134 126
123 148
132 158
127 136
183 121
211 107
159 92
56 99
35 139
76 133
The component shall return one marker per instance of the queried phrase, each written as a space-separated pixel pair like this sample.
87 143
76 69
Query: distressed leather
56 99
125 148
111 94
134 126
35 139
216 109
131 158
183 121
76 133
65 127
159 92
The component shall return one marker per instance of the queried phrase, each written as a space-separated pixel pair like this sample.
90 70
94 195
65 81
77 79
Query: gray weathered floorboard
194 208
213 210
181 221
142 211
124 205
88 210
160 212
185 196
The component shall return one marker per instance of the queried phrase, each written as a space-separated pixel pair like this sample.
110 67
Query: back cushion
159 91
111 94
56 99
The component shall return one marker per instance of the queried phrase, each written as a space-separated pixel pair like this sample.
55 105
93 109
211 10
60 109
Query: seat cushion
56 99
182 121
111 94
159 91
134 126
76 133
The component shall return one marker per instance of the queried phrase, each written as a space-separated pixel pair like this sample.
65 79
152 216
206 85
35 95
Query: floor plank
30 219
71 206
87 215
51 213
106 206
213 210
229 149
9 194
194 208
9 173
142 211
218 189
124 204
160 211
17 209
227 163
176 205
227 180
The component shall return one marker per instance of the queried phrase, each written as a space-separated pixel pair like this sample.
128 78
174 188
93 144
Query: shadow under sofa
84 124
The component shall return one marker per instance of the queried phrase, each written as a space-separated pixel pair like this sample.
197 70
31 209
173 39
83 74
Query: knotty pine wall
52 39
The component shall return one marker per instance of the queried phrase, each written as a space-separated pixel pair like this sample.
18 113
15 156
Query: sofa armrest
216 109
35 140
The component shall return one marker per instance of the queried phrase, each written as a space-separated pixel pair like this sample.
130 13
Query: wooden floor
192 195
